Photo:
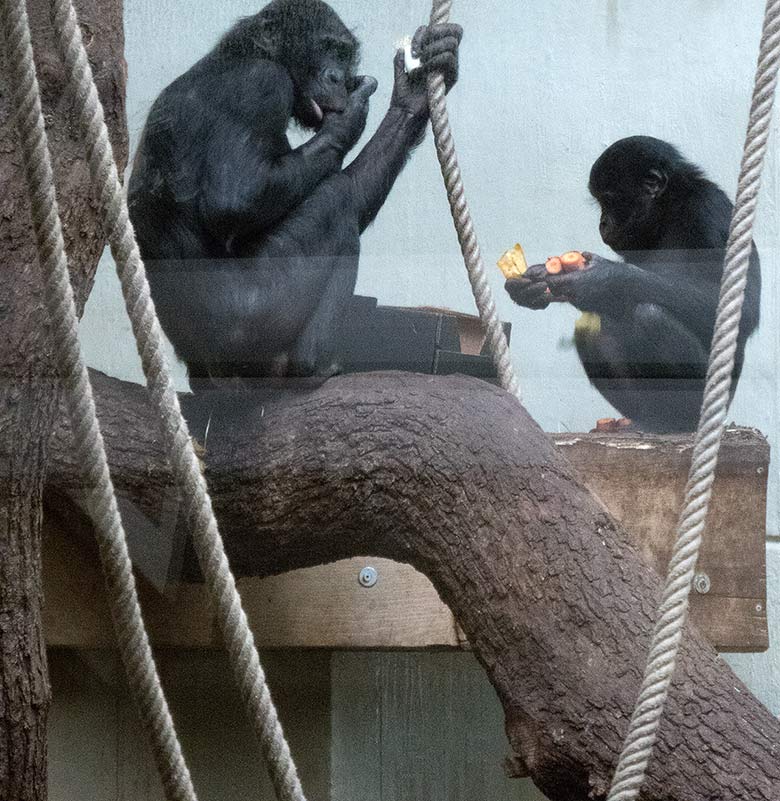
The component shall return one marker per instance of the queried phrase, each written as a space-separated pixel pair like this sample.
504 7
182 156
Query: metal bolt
368 577
702 583
759 607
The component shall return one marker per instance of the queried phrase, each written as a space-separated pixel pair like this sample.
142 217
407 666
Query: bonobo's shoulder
223 82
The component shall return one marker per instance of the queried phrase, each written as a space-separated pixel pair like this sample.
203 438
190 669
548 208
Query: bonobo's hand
530 291
598 288
344 128
437 48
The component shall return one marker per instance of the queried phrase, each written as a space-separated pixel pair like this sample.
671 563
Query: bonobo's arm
374 170
252 180
614 288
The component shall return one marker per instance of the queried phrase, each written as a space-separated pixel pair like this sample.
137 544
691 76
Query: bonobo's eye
340 49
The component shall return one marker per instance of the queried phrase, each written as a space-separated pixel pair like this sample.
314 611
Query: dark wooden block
422 340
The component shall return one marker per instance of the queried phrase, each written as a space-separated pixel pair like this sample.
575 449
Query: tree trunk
29 394
452 476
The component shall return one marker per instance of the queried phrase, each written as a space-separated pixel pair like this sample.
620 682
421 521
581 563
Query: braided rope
90 452
673 610
231 618
461 216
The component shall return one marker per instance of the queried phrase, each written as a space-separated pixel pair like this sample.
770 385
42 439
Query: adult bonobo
648 350
251 246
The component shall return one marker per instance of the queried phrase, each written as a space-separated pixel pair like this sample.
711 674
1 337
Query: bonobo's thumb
399 63
365 86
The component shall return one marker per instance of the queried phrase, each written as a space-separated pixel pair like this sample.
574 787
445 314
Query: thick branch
453 477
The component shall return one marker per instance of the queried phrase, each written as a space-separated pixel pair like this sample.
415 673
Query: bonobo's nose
334 75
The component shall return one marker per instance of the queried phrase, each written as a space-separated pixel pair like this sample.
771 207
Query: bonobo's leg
327 221
664 345
315 351
650 366
242 316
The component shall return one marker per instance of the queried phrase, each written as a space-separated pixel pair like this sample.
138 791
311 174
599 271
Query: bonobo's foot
200 454
307 368
612 425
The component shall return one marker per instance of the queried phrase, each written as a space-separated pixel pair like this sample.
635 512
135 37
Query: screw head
702 583
368 577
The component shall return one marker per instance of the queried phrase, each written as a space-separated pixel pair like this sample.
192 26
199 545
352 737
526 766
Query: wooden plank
640 479
98 751
421 725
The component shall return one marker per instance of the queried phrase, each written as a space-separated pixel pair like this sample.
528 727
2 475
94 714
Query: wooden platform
640 479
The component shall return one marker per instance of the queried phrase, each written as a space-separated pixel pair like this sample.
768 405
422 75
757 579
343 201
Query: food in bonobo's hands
573 260
513 263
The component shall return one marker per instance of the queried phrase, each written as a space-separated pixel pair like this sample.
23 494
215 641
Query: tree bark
29 393
452 476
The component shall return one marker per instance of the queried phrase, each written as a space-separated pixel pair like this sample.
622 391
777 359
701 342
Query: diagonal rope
90 452
461 216
673 610
237 636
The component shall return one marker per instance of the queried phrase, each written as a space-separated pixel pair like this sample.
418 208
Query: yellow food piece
513 264
588 326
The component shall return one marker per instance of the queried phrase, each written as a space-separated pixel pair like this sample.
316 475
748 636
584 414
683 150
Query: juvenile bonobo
251 246
648 354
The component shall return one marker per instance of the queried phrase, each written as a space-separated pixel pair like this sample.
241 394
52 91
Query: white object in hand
411 62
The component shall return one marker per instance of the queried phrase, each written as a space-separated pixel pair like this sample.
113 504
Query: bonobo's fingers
425 34
345 128
536 272
365 86
598 288
528 294
437 48
399 64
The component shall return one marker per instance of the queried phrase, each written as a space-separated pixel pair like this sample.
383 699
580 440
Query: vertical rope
131 635
220 582
673 611
461 216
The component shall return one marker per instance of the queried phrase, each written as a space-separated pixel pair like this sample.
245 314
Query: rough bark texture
28 387
453 477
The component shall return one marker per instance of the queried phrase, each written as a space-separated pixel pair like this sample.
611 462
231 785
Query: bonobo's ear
264 34
655 182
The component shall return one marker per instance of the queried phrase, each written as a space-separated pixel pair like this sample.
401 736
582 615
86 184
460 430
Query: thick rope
90 453
673 610
231 618
461 216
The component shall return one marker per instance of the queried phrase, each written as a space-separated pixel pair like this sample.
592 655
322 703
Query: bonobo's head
636 182
311 42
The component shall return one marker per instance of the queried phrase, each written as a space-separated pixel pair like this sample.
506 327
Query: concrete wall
544 88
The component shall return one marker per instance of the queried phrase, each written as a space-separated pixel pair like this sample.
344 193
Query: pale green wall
545 86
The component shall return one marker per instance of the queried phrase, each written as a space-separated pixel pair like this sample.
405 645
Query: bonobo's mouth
311 112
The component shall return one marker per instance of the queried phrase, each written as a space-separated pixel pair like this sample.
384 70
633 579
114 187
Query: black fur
657 307
252 247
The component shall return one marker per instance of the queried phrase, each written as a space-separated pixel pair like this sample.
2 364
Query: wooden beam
639 478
